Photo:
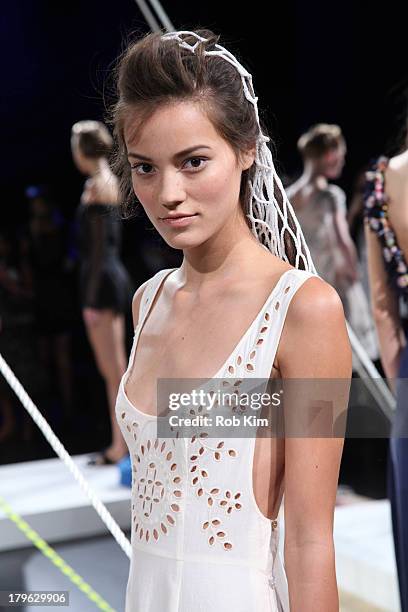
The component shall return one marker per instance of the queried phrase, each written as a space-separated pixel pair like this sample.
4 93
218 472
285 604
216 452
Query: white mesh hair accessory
263 209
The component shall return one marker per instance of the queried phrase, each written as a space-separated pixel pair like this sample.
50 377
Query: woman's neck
311 176
103 183
101 169
228 255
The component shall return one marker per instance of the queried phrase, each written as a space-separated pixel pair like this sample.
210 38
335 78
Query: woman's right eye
137 167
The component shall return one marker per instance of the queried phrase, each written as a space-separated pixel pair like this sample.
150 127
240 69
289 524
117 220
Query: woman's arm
385 308
342 230
314 345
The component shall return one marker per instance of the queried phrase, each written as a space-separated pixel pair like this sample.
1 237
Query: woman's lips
179 221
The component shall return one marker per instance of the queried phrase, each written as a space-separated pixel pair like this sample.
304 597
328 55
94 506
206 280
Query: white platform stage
46 495
365 559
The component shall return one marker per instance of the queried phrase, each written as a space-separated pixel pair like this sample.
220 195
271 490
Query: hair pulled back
93 138
154 72
319 139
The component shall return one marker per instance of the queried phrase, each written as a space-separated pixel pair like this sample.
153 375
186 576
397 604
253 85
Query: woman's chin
183 242
334 174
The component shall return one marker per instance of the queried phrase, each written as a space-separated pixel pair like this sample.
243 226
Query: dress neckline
221 370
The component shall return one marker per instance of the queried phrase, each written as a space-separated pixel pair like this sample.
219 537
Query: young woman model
204 529
386 222
104 282
321 211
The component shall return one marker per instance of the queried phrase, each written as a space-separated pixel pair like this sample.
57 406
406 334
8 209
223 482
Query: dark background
312 61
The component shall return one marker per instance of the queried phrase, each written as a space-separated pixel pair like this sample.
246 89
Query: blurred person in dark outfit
47 268
17 340
105 287
386 231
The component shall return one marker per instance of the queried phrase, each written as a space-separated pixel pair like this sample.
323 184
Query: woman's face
332 162
185 175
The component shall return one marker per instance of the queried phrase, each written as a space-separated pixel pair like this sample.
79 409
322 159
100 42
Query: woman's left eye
196 162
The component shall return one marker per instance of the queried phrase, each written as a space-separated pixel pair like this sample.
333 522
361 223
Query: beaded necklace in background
376 211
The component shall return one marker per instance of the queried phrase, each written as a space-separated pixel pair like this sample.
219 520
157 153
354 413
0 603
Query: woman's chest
199 347
194 341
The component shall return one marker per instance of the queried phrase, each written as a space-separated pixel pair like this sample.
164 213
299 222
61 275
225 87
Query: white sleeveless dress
199 540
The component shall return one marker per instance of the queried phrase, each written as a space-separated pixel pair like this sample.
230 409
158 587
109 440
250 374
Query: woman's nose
171 189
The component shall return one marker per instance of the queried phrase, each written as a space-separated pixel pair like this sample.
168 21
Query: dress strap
276 317
150 291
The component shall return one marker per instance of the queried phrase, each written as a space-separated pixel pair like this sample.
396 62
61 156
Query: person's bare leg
115 368
119 339
107 339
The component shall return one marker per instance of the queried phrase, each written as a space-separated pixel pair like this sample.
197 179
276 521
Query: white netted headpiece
264 211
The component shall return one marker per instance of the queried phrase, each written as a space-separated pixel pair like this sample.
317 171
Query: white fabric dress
199 540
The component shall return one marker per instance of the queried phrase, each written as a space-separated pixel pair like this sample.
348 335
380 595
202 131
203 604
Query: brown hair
93 138
154 72
319 139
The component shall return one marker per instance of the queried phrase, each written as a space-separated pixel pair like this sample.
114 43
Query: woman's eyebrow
176 156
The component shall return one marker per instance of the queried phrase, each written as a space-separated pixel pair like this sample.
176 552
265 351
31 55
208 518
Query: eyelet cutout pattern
132 427
157 489
231 368
216 533
213 495
157 479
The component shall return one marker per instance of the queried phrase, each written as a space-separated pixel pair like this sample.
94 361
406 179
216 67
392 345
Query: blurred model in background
386 230
355 220
47 269
321 210
105 288
18 343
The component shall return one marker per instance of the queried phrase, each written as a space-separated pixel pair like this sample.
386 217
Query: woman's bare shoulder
398 163
101 190
315 340
315 298
396 178
314 309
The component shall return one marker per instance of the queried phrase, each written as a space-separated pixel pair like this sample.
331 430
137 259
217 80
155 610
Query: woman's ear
247 158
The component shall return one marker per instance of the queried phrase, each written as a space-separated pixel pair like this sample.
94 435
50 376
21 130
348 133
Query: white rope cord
162 16
264 210
59 449
148 15
374 382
